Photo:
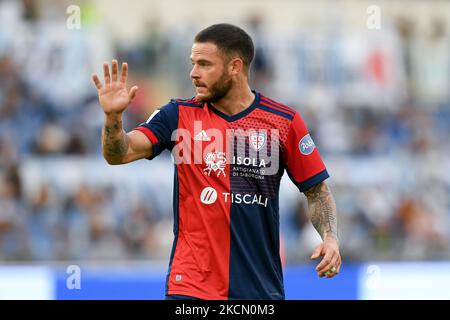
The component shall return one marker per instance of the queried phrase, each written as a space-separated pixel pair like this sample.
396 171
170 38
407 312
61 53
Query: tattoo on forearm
322 209
114 140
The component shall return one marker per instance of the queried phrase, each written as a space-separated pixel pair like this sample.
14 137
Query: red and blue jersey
226 212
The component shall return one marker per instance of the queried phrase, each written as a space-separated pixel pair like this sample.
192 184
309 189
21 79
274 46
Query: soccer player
231 146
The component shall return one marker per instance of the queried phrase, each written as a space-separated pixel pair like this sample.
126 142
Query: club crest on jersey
306 145
258 140
215 162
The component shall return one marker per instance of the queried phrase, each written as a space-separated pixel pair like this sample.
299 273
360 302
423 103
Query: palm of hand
114 97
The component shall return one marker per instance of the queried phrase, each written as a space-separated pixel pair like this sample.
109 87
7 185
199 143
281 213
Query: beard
218 90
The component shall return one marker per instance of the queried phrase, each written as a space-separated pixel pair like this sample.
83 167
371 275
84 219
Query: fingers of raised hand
106 73
124 75
115 70
110 78
132 92
97 82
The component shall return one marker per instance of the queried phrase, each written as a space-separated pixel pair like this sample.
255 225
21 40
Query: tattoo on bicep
322 209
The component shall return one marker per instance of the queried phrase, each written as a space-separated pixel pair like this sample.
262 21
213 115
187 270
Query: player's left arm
323 215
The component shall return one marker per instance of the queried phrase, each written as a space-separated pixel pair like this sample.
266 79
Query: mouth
199 85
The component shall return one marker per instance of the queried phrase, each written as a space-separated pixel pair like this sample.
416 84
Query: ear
236 66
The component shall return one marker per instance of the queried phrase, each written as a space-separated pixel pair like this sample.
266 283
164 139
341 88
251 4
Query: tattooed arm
118 146
322 210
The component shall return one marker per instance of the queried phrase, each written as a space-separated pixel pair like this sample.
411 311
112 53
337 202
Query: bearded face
209 73
215 91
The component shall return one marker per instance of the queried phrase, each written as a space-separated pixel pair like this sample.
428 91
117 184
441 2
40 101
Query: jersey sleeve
159 127
301 157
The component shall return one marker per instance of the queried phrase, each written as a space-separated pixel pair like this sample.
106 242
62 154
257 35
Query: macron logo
202 136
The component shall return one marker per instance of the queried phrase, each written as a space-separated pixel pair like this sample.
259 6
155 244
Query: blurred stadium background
376 101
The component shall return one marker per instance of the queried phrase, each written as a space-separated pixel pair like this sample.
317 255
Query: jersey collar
239 115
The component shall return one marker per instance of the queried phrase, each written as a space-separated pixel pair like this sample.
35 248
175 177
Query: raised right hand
113 95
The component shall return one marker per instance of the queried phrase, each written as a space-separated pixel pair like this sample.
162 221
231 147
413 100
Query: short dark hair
230 39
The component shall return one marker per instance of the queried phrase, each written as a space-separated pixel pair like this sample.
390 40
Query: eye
201 63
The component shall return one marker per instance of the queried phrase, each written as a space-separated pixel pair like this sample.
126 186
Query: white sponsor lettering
245 198
248 161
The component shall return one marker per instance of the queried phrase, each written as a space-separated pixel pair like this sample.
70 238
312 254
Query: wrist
113 123
331 237
113 116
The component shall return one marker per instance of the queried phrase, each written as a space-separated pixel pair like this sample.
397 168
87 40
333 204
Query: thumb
132 92
317 252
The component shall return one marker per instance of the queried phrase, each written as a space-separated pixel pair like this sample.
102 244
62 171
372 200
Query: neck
236 100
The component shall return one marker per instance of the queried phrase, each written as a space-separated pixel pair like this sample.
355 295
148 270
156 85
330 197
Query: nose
194 73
